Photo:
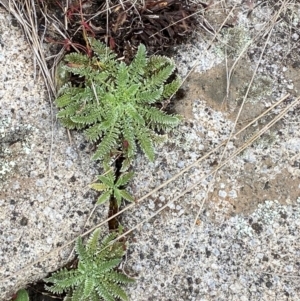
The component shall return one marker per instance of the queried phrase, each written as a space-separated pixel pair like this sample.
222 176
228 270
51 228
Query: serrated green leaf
171 88
94 278
88 287
131 91
108 179
109 264
118 196
99 186
104 197
114 100
126 163
118 292
93 241
80 249
63 100
126 195
77 293
106 145
124 178
119 278
146 144
149 96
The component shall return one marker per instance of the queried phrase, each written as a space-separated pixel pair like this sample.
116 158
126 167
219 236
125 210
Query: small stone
68 163
222 193
232 194
151 205
40 183
40 198
24 221
49 241
289 268
236 287
269 284
180 164
216 252
16 185
171 206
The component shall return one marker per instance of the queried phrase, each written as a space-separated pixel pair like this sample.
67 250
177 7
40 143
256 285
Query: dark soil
159 25
37 292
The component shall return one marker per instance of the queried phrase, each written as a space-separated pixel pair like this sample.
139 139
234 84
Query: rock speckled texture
42 204
245 242
242 258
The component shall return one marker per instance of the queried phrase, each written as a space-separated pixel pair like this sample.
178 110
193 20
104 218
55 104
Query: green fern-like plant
95 278
109 186
115 103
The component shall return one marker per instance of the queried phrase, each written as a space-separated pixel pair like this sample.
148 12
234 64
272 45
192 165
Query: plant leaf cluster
115 105
110 186
95 277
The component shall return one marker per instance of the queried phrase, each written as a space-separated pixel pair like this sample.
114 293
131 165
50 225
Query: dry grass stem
57 250
250 141
228 160
26 16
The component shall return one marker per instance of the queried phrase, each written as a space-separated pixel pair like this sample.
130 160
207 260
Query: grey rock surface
234 236
245 239
44 198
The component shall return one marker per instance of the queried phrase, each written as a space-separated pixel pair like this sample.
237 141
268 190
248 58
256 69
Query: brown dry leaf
122 17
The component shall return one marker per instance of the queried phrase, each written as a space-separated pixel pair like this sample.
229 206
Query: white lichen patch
234 41
260 88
